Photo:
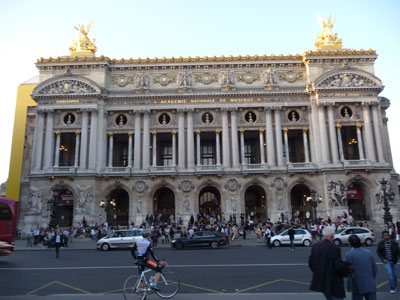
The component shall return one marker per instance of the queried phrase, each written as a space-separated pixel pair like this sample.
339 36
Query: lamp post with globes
384 197
313 201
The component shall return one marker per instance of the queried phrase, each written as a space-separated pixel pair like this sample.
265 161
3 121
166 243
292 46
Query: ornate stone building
220 135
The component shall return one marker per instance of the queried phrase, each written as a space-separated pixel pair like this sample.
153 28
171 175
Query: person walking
327 266
362 284
268 235
388 251
291 233
57 242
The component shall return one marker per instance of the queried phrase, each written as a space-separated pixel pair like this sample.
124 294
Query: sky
172 28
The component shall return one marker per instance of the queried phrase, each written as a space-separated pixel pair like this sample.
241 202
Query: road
248 269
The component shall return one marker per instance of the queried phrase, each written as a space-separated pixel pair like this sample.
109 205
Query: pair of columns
334 152
46 147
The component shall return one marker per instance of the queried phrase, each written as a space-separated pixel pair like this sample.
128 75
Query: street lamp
385 197
313 201
53 216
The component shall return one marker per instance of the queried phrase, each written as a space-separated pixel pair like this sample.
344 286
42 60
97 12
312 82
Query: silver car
119 239
366 236
301 237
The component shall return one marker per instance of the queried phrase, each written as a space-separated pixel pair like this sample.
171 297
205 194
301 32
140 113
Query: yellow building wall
17 149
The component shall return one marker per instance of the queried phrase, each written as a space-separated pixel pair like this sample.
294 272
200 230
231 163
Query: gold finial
327 39
121 121
250 117
69 120
293 116
83 46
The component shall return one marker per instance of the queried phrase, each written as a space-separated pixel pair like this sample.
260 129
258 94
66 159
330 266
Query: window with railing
166 154
208 156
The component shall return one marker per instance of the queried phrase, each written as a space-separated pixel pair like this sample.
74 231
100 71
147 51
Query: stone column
93 140
306 150
278 137
242 147
101 139
360 143
146 141
57 150
137 145
226 160
235 142
130 149
316 140
218 147
262 152
340 142
154 149
190 140
48 142
110 149
198 147
76 160
174 148
332 134
84 140
38 142
181 140
270 139
368 134
378 136
286 141
324 137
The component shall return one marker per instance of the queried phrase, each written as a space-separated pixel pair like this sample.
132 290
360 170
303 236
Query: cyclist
144 248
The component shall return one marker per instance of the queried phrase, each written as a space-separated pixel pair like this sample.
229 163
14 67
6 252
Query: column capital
241 131
217 132
77 133
365 104
285 130
181 110
338 127
261 131
358 126
173 133
305 130
267 108
154 133
198 132
190 110
58 133
110 134
130 133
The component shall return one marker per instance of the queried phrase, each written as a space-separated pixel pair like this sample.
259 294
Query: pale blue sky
124 29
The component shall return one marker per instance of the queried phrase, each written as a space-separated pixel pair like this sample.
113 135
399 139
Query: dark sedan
201 239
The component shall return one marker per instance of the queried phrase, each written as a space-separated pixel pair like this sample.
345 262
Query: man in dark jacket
388 251
291 233
328 269
362 284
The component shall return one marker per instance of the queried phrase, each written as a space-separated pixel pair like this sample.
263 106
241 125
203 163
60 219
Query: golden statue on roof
327 39
83 45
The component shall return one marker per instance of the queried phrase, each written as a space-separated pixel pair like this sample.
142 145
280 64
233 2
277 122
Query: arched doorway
255 204
210 201
164 204
65 208
298 199
356 202
118 207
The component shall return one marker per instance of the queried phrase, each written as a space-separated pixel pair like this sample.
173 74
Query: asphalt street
244 270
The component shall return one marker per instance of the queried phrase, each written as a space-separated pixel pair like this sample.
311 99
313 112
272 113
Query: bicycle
139 287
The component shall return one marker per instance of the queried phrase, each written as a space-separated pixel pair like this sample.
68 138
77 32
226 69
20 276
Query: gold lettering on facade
67 101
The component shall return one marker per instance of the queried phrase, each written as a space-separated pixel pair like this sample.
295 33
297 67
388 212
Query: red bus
8 225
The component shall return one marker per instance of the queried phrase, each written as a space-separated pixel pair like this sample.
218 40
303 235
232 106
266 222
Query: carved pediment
68 86
351 78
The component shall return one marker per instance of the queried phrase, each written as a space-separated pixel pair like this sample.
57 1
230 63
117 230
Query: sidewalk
266 296
88 244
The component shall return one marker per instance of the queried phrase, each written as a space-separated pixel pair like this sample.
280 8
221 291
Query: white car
120 239
301 237
366 236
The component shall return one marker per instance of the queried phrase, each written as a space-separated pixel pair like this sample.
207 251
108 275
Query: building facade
225 136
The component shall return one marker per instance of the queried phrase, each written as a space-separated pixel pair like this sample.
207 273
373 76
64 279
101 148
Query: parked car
119 239
301 237
201 239
366 236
